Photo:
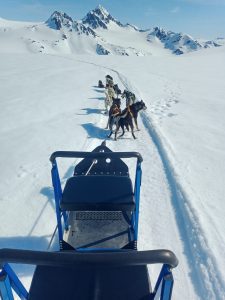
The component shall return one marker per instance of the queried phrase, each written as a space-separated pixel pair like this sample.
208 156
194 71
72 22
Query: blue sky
200 18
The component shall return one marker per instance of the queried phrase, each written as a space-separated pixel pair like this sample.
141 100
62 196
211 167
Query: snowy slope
40 38
97 33
51 103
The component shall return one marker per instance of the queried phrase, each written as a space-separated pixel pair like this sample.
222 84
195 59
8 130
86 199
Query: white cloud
175 10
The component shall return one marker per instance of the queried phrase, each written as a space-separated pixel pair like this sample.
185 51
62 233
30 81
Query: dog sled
97 214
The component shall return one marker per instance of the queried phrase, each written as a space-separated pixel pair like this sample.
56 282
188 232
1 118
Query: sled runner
97 220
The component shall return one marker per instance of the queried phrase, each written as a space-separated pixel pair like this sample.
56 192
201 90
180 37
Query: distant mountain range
97 33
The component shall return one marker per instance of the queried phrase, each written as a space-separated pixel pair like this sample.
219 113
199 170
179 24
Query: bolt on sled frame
97 220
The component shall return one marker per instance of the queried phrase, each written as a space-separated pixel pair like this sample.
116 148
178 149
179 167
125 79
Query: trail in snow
156 214
205 275
155 191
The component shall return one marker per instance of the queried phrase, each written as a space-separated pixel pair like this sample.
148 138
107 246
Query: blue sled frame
91 157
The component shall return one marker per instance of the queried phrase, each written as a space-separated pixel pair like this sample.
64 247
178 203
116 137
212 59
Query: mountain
178 43
100 18
97 33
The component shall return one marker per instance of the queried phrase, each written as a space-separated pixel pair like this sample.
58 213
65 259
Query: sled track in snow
205 275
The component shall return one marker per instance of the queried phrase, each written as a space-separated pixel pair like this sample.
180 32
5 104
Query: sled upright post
137 197
5 286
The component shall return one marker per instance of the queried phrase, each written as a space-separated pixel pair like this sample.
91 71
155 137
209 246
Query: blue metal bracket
10 280
164 285
5 287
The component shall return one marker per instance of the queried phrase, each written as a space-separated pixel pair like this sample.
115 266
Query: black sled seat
101 182
98 192
85 283
74 275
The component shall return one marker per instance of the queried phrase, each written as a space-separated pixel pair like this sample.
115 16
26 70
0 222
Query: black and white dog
129 96
125 119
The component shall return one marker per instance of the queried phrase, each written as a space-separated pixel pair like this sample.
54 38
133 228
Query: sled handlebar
72 258
93 155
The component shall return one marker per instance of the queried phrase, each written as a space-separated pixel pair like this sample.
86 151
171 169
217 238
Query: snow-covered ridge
59 20
97 33
177 42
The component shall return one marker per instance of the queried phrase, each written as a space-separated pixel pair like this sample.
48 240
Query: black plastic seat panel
98 192
57 283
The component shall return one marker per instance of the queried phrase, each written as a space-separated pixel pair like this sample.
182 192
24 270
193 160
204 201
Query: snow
128 37
50 102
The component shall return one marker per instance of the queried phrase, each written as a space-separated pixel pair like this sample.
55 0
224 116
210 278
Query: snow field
51 103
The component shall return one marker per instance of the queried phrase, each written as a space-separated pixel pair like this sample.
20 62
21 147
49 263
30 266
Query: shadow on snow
94 131
91 111
97 98
99 90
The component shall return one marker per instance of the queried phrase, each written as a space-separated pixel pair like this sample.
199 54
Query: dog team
120 119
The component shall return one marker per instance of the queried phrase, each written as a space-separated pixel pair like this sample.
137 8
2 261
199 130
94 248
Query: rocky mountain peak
101 11
99 18
58 19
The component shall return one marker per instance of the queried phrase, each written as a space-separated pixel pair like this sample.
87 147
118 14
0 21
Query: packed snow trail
206 277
